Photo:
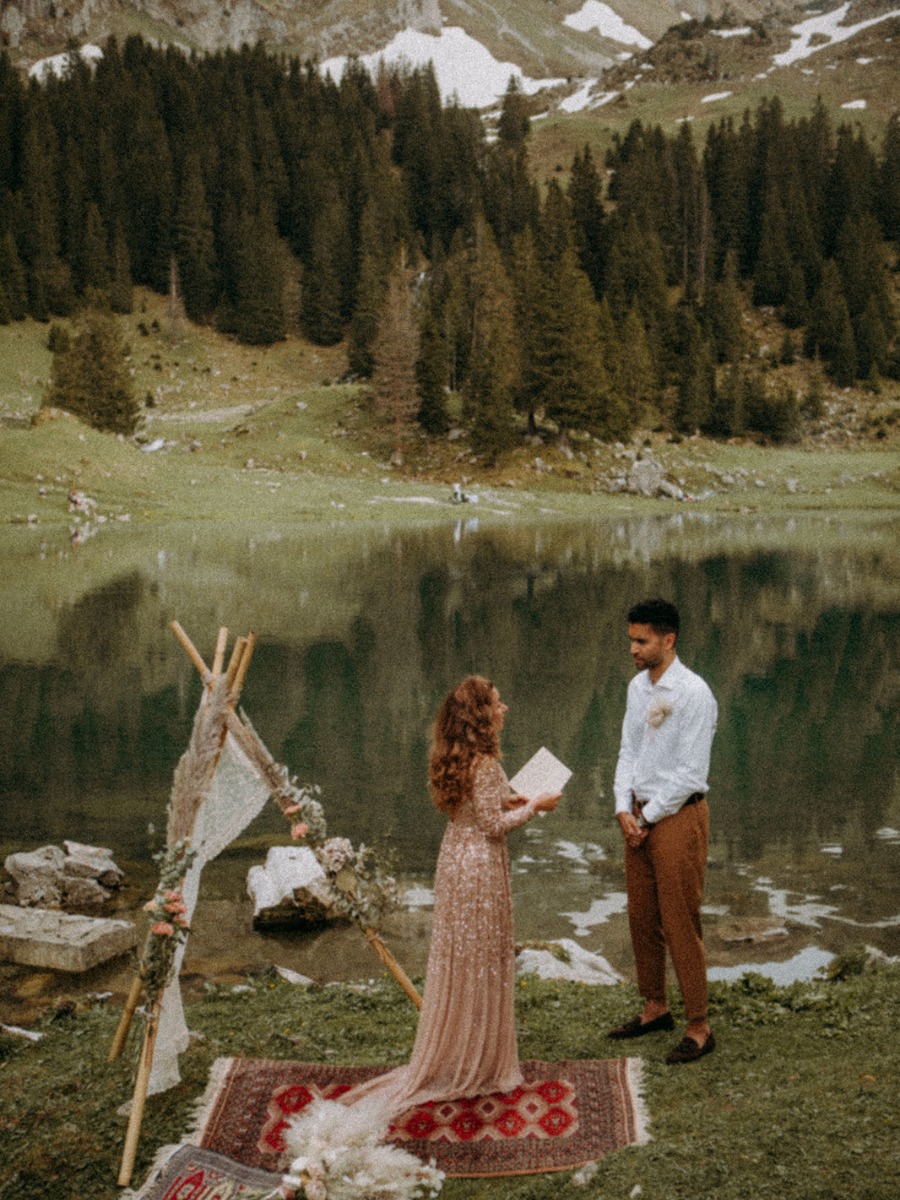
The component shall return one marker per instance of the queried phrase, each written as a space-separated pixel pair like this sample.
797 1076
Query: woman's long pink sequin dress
466 1040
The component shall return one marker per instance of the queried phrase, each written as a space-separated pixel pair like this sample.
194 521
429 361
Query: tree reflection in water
793 623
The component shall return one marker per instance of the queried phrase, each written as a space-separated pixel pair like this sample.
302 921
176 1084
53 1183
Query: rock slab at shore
38 937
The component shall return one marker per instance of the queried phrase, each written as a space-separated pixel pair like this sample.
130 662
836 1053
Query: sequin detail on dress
466 1040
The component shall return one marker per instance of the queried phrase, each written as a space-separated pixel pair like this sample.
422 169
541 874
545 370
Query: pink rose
293 808
300 830
162 929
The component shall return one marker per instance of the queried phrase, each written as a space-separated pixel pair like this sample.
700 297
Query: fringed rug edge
636 1080
203 1106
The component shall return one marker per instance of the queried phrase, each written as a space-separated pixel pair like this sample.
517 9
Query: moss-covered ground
799 1101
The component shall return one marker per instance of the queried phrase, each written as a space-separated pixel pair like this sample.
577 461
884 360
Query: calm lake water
793 622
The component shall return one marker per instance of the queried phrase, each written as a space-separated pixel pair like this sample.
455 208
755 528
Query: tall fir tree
494 360
584 193
90 376
829 333
431 374
12 278
394 391
258 316
726 314
194 243
696 375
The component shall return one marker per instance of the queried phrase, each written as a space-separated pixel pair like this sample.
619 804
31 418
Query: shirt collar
669 678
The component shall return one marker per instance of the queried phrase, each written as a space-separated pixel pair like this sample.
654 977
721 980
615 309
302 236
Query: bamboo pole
219 657
191 650
244 664
235 661
136 1115
394 967
125 1020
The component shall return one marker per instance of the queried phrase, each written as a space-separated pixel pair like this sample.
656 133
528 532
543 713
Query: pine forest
613 295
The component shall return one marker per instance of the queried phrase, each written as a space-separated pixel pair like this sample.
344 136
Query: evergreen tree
696 376
12 278
395 397
796 306
635 273
92 263
120 288
90 377
773 260
494 364
194 243
570 375
726 415
861 260
321 310
872 341
526 279
514 124
726 317
431 375
888 190
634 374
258 317
829 333
588 217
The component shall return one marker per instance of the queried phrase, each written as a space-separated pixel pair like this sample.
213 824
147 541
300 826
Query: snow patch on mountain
594 15
464 68
827 25
60 64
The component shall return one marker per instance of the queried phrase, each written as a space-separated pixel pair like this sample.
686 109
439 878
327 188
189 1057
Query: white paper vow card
542 773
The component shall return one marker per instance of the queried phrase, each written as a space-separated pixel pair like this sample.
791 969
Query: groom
660 788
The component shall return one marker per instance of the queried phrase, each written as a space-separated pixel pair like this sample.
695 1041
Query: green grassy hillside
244 433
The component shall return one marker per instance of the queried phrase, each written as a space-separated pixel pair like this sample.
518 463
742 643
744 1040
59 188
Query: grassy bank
237 432
798 1102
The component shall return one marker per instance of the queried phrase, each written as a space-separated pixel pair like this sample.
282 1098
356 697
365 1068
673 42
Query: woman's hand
547 801
514 801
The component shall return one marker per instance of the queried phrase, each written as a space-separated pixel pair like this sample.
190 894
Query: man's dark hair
659 614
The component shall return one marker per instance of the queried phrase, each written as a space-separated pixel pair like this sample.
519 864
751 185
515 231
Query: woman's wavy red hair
463 729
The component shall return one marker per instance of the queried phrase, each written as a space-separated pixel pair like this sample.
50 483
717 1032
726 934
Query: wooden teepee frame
193 777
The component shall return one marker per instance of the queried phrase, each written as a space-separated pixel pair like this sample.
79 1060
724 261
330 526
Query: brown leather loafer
637 1027
689 1050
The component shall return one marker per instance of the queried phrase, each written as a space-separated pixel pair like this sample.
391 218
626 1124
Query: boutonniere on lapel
658 711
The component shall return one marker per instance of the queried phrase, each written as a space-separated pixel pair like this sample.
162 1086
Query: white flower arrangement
658 712
339 1153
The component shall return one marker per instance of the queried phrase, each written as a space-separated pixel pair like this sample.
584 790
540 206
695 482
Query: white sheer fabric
236 796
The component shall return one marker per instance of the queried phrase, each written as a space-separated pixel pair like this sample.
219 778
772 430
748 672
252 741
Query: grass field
235 431
797 1103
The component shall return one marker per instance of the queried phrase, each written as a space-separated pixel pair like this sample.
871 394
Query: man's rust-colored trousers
665 878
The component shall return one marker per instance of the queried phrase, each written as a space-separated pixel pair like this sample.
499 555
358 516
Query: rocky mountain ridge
541 36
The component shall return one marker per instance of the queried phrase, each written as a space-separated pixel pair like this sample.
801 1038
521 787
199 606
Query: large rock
565 959
78 877
644 477
36 937
290 891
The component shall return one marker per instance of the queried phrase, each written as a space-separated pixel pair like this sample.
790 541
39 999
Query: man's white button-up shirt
667 736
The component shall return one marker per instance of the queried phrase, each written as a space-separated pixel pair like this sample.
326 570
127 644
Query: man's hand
632 832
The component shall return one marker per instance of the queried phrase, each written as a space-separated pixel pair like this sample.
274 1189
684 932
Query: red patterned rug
565 1114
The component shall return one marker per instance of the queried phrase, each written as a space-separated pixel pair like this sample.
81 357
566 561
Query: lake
793 621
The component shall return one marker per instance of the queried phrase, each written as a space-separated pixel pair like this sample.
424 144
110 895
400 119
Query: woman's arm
490 796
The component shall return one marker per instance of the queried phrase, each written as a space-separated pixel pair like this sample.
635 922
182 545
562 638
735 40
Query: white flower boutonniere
658 711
